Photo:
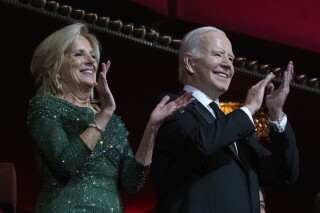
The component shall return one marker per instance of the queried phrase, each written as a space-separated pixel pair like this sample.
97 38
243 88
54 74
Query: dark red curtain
295 23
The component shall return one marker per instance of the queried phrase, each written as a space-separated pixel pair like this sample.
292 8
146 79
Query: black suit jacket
196 171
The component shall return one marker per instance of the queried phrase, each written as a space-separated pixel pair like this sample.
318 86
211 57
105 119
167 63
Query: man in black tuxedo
205 161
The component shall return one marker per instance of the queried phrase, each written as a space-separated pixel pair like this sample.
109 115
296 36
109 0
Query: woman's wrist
106 112
97 127
153 126
101 120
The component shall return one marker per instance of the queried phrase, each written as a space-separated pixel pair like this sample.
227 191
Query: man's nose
226 62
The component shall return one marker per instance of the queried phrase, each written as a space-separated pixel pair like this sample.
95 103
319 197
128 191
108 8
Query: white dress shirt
279 126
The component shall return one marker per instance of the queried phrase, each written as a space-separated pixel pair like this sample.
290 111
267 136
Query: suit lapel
206 115
232 147
241 156
210 119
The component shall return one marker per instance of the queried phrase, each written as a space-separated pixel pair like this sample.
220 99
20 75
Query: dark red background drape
295 23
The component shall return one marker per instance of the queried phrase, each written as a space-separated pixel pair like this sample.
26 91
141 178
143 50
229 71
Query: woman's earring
59 85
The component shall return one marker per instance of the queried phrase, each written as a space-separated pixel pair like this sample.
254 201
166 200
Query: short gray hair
190 45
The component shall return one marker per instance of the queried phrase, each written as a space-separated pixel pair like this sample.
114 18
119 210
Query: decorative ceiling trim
151 38
103 24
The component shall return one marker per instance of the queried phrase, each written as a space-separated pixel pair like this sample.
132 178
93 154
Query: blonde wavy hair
49 55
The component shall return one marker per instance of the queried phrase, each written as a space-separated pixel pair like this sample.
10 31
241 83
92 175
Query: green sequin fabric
77 179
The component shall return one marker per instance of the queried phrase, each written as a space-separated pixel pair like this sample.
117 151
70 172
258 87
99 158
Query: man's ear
188 63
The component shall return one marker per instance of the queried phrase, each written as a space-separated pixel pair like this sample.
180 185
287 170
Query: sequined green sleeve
133 174
62 153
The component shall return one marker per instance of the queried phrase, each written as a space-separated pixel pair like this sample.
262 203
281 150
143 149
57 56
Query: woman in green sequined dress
82 146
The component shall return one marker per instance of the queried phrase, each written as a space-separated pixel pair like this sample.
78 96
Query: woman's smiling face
79 68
